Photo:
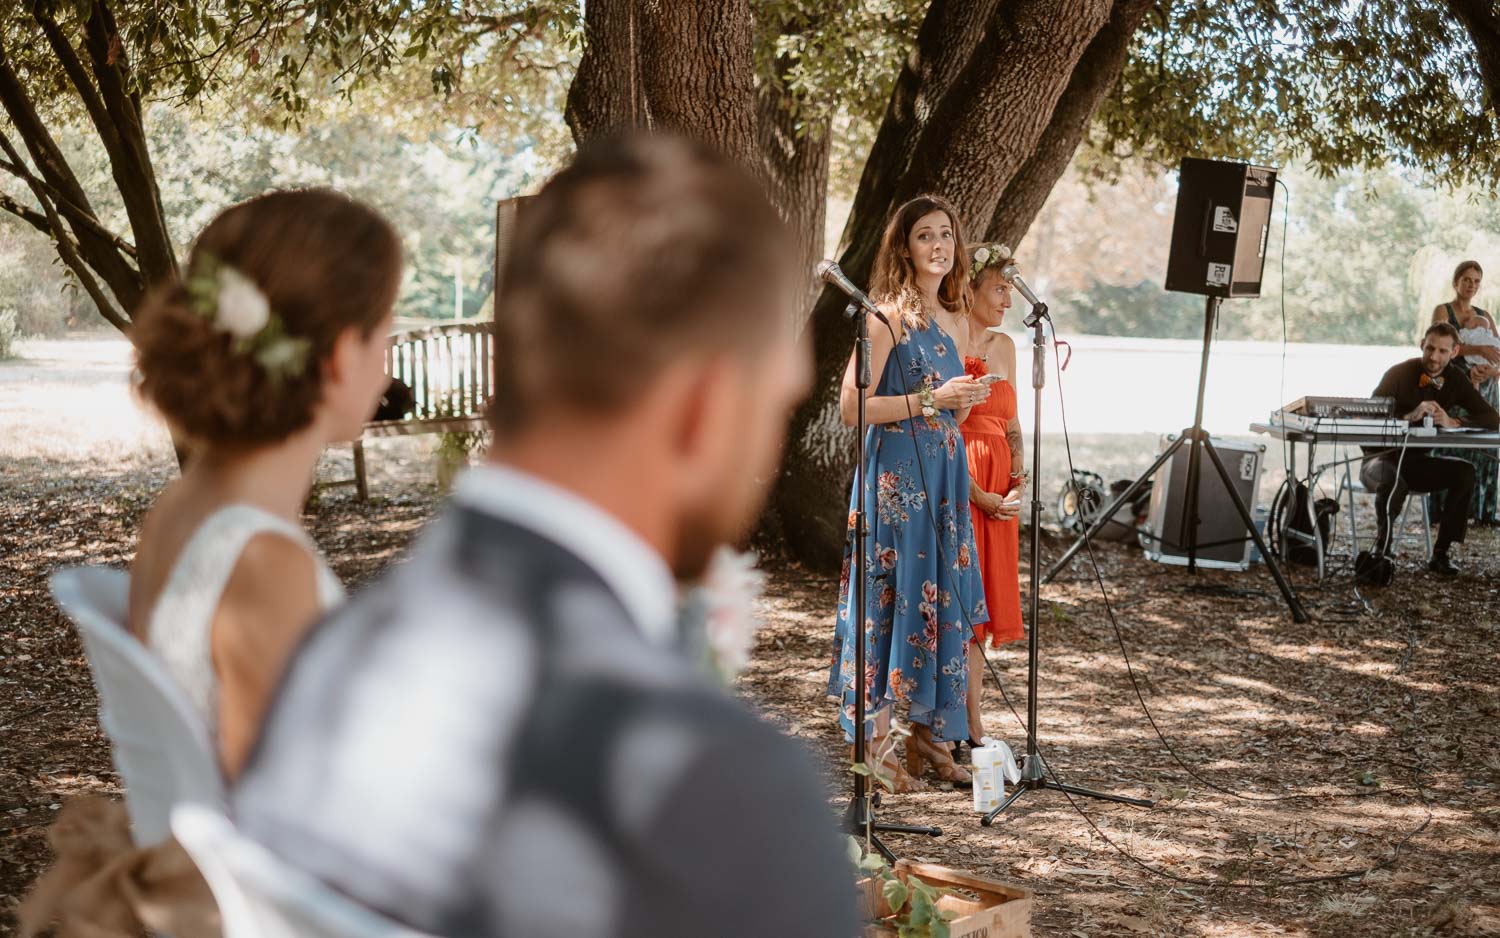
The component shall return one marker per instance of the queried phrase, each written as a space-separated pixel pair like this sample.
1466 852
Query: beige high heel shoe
902 782
921 749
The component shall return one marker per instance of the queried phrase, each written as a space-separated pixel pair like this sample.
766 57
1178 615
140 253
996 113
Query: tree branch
78 75
68 250
130 158
1093 78
122 277
29 215
73 212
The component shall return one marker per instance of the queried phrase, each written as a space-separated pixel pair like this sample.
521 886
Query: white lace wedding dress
179 624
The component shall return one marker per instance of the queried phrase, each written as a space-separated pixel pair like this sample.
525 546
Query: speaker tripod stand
1034 775
1196 437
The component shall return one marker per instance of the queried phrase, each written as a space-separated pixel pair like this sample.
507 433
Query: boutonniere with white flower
236 305
721 609
987 255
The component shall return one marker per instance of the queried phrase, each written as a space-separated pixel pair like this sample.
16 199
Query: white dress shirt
631 568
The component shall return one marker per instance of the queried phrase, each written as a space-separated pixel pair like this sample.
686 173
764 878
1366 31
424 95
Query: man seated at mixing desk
1428 387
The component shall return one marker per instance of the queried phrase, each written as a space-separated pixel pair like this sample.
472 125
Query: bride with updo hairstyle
269 347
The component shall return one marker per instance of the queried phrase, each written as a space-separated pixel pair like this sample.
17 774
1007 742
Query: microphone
1013 273
829 272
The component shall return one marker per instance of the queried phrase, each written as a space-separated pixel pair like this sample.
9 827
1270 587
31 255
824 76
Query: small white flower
1003 250
243 310
982 256
729 592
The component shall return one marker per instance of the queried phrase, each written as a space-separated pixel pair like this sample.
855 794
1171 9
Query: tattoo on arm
1017 450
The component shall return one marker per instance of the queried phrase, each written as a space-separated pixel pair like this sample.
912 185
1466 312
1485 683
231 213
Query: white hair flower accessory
986 256
242 309
237 306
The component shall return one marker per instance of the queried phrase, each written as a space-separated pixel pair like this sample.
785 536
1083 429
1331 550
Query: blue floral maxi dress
922 584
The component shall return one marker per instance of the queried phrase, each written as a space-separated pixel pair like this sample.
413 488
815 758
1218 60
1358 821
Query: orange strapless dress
998 542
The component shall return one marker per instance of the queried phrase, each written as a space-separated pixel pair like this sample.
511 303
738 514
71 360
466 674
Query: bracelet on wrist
929 403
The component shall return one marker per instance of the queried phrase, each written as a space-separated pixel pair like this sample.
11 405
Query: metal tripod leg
855 819
1034 778
1109 512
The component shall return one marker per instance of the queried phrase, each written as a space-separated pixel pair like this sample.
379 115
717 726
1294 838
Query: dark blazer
483 744
1403 382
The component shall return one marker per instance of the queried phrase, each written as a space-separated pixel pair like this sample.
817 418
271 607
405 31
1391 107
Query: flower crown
234 304
985 256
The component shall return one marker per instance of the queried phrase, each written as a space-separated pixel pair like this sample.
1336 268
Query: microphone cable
1135 685
1045 763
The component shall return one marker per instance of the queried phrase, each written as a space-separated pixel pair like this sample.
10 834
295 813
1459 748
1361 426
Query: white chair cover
261 897
161 748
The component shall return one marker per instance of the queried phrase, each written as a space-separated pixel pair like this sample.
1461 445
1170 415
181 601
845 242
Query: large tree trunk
683 66
697 59
961 126
1098 70
604 97
795 168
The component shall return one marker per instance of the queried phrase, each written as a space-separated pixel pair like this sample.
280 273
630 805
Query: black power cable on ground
1135 685
1046 763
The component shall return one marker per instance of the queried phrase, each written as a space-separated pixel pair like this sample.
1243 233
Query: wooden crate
983 908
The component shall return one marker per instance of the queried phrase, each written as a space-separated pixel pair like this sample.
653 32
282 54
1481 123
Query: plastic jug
993 763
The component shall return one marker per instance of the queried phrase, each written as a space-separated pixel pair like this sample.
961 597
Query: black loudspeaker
1219 232
1223 541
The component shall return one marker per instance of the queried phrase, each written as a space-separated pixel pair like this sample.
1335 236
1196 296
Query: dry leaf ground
1375 719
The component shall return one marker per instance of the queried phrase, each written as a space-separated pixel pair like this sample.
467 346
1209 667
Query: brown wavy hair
894 281
325 263
1465 267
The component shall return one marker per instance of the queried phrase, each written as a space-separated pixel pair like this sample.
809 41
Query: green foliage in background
1331 85
1367 256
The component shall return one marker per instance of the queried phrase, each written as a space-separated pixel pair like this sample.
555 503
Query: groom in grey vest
499 737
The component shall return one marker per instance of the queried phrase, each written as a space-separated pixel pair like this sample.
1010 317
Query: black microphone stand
1034 775
859 818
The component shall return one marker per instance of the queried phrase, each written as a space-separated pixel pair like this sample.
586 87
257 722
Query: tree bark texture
986 126
972 101
1098 70
604 97
697 72
795 169
679 65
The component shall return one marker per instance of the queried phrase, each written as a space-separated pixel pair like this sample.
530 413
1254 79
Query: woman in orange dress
992 438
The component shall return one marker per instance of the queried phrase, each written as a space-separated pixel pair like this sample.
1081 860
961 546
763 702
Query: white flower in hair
982 256
242 309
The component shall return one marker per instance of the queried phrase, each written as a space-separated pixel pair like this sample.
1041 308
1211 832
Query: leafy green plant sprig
914 902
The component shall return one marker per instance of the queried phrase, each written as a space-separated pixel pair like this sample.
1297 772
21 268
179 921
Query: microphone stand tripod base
1034 775
859 821
1034 778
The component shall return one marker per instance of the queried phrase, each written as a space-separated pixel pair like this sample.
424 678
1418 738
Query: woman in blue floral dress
922 583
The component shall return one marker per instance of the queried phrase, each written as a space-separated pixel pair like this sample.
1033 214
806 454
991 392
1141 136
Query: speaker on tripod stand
1219 235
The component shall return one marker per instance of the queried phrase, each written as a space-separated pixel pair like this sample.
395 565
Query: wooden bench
448 367
448 370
